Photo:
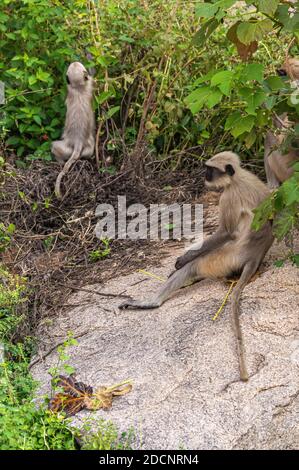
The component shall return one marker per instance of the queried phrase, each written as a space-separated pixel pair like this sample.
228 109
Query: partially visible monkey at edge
233 249
279 165
78 138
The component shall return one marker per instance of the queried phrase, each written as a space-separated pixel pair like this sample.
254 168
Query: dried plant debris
54 240
76 396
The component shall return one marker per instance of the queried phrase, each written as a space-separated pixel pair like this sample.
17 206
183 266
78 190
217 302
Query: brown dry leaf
104 395
76 396
72 399
245 51
66 403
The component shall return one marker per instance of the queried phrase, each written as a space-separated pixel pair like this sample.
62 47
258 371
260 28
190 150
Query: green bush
37 40
247 96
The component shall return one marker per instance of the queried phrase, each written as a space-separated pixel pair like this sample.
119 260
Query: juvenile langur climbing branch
78 138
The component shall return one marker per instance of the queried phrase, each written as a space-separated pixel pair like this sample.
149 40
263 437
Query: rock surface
187 392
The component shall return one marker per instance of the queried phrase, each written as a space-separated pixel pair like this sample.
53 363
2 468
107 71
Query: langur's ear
229 170
68 80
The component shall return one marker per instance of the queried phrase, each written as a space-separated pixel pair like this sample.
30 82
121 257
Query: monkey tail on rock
73 158
248 271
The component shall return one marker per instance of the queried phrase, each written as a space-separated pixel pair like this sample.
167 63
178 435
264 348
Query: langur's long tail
73 158
247 273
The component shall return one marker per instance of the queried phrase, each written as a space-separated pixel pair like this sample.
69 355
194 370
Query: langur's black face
281 72
216 178
213 173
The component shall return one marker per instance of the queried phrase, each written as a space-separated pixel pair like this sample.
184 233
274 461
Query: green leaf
248 32
112 111
13 141
270 102
254 99
205 78
197 98
125 38
214 98
37 119
253 72
268 6
204 95
262 214
105 96
262 117
42 76
206 10
32 80
296 167
250 139
224 81
278 201
295 259
244 125
290 190
205 32
20 150
290 23
274 83
279 263
283 223
232 120
11 228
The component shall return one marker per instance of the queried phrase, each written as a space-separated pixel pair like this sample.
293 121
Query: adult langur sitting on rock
233 248
78 138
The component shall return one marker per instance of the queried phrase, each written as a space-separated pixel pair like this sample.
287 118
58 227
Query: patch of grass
106 437
101 253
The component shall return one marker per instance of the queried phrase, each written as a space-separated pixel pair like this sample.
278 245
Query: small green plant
293 258
106 436
12 295
110 170
62 366
48 242
23 424
96 255
6 234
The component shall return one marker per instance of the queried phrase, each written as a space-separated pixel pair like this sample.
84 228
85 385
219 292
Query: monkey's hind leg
61 150
88 149
177 279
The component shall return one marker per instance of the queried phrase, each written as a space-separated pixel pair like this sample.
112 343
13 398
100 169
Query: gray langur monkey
279 165
233 249
78 138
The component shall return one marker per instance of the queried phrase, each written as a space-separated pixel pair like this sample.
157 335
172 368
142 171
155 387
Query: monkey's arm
213 242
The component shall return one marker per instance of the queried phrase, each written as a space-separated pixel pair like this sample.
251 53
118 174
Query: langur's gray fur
279 165
233 248
78 138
